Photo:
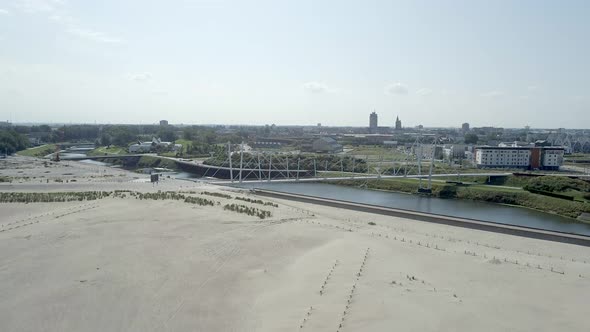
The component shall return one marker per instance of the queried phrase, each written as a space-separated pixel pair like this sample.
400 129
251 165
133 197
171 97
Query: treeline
120 135
204 141
12 141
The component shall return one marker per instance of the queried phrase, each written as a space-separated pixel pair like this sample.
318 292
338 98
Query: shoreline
573 219
523 231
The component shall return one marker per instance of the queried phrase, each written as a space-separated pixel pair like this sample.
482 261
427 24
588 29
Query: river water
450 207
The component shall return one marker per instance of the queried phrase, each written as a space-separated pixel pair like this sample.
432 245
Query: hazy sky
436 63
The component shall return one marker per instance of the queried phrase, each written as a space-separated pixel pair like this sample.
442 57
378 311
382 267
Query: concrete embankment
529 232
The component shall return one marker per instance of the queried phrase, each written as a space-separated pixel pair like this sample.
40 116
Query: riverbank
135 163
151 258
39 151
483 193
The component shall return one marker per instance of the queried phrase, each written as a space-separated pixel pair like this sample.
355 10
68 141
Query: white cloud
396 89
93 35
35 6
139 77
316 87
493 94
424 92
56 11
4 12
532 88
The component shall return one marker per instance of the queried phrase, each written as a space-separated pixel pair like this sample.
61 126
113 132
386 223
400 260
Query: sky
296 62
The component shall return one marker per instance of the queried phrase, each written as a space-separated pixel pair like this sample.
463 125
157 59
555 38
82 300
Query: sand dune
124 264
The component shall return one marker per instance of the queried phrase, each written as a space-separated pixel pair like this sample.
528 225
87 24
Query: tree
166 133
471 138
121 135
11 141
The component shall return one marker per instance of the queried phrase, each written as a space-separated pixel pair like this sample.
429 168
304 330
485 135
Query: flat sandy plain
124 264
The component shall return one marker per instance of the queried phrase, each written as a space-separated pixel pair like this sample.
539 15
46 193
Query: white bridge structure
255 166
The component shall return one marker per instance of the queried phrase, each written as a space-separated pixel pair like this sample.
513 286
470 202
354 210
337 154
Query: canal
450 207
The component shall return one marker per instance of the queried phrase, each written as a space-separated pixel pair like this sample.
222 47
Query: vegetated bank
39 151
137 163
107 150
538 199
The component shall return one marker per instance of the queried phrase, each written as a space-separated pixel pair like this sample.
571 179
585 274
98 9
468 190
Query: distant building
143 147
427 151
269 143
373 121
527 157
398 123
542 143
140 147
5 124
465 127
163 122
326 145
455 151
514 144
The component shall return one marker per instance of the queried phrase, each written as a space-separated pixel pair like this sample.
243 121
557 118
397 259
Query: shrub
247 210
199 201
18 197
556 184
216 194
256 201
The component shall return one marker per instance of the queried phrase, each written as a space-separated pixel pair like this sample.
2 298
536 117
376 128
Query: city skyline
501 64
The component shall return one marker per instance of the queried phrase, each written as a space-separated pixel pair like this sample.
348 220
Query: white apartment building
503 157
553 158
519 157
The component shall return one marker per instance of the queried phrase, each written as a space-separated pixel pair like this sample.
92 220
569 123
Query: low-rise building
427 151
514 144
326 145
455 151
526 157
154 145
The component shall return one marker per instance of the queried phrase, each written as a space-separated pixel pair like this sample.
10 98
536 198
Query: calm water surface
450 207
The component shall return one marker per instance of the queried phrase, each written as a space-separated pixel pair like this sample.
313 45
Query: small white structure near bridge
156 143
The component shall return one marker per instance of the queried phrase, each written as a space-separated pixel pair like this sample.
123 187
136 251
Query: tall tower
465 127
398 123
373 121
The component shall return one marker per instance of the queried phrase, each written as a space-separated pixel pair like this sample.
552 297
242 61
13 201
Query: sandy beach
129 264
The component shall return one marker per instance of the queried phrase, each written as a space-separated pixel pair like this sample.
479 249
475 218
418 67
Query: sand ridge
129 264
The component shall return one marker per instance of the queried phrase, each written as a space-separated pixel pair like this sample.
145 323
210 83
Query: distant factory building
163 122
326 145
373 121
398 123
527 157
465 127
